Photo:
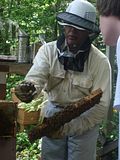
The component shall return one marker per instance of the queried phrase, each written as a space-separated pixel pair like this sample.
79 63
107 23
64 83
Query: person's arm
96 114
39 72
35 79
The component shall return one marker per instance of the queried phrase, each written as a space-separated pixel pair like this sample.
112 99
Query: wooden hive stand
8 115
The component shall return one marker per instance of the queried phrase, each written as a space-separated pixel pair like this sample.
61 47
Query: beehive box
26 118
14 97
23 116
8 116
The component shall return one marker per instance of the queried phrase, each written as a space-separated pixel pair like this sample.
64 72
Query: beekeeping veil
81 15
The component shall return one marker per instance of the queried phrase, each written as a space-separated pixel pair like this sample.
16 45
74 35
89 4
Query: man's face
75 36
108 28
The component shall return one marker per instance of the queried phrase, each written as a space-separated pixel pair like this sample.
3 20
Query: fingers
27 87
25 91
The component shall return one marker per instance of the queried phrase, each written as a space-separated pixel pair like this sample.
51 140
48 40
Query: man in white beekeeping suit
68 69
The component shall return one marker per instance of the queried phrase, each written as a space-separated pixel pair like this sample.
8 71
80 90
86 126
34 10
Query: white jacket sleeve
39 71
117 91
95 115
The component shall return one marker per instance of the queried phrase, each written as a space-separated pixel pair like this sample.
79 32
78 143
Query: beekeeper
69 69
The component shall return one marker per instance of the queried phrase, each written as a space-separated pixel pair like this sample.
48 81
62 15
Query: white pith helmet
80 14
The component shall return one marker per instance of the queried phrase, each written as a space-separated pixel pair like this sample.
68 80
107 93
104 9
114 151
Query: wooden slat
8 58
8 148
109 147
8 116
17 68
4 68
2 91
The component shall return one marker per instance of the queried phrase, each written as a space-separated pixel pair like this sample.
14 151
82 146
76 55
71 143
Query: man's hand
25 91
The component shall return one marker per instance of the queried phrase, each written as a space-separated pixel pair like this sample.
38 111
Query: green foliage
34 16
12 80
34 105
26 150
98 42
4 38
